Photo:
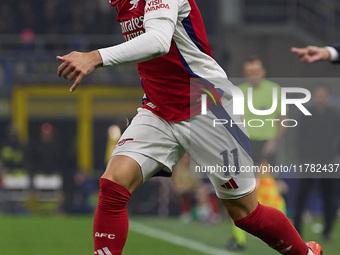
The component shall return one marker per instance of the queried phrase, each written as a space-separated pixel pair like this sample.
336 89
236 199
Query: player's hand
76 65
312 54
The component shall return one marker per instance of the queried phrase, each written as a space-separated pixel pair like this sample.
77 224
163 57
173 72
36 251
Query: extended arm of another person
311 54
155 42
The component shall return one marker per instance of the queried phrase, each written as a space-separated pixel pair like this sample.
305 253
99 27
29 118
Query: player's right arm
76 65
155 42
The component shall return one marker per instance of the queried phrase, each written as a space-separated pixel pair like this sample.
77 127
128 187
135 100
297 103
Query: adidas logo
231 184
103 251
283 251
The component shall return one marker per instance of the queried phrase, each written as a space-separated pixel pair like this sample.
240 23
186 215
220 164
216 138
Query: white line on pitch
175 239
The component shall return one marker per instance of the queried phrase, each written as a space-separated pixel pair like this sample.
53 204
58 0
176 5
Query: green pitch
148 236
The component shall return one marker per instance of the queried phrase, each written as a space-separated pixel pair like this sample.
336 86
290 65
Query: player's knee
242 207
125 172
117 179
112 196
106 185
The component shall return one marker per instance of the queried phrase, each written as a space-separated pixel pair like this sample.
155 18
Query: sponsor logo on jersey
103 251
134 4
231 184
104 235
132 24
156 5
122 142
132 28
133 35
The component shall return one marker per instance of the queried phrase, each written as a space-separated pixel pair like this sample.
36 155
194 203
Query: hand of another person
311 54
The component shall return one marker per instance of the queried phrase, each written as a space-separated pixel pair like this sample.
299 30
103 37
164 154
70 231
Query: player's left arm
159 24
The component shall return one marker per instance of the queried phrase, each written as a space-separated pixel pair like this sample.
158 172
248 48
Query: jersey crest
134 4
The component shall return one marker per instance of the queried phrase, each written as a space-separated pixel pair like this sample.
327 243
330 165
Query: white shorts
157 145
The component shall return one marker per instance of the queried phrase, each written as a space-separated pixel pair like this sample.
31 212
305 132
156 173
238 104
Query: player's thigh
149 141
222 149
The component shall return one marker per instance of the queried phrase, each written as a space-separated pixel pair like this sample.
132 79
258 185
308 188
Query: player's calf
110 225
275 229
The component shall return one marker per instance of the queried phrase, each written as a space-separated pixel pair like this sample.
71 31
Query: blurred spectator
78 24
12 153
316 145
207 204
7 18
57 17
81 200
184 187
14 178
113 134
45 152
27 15
197 198
264 139
50 16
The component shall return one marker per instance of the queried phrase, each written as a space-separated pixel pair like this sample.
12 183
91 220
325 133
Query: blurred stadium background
64 139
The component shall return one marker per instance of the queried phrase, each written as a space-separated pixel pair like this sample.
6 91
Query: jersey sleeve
154 43
161 9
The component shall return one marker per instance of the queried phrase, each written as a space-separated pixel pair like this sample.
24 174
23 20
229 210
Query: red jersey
166 79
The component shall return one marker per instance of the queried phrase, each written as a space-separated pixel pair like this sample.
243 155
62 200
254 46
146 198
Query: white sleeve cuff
333 53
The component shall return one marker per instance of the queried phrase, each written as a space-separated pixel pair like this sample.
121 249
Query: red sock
111 223
185 204
275 229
